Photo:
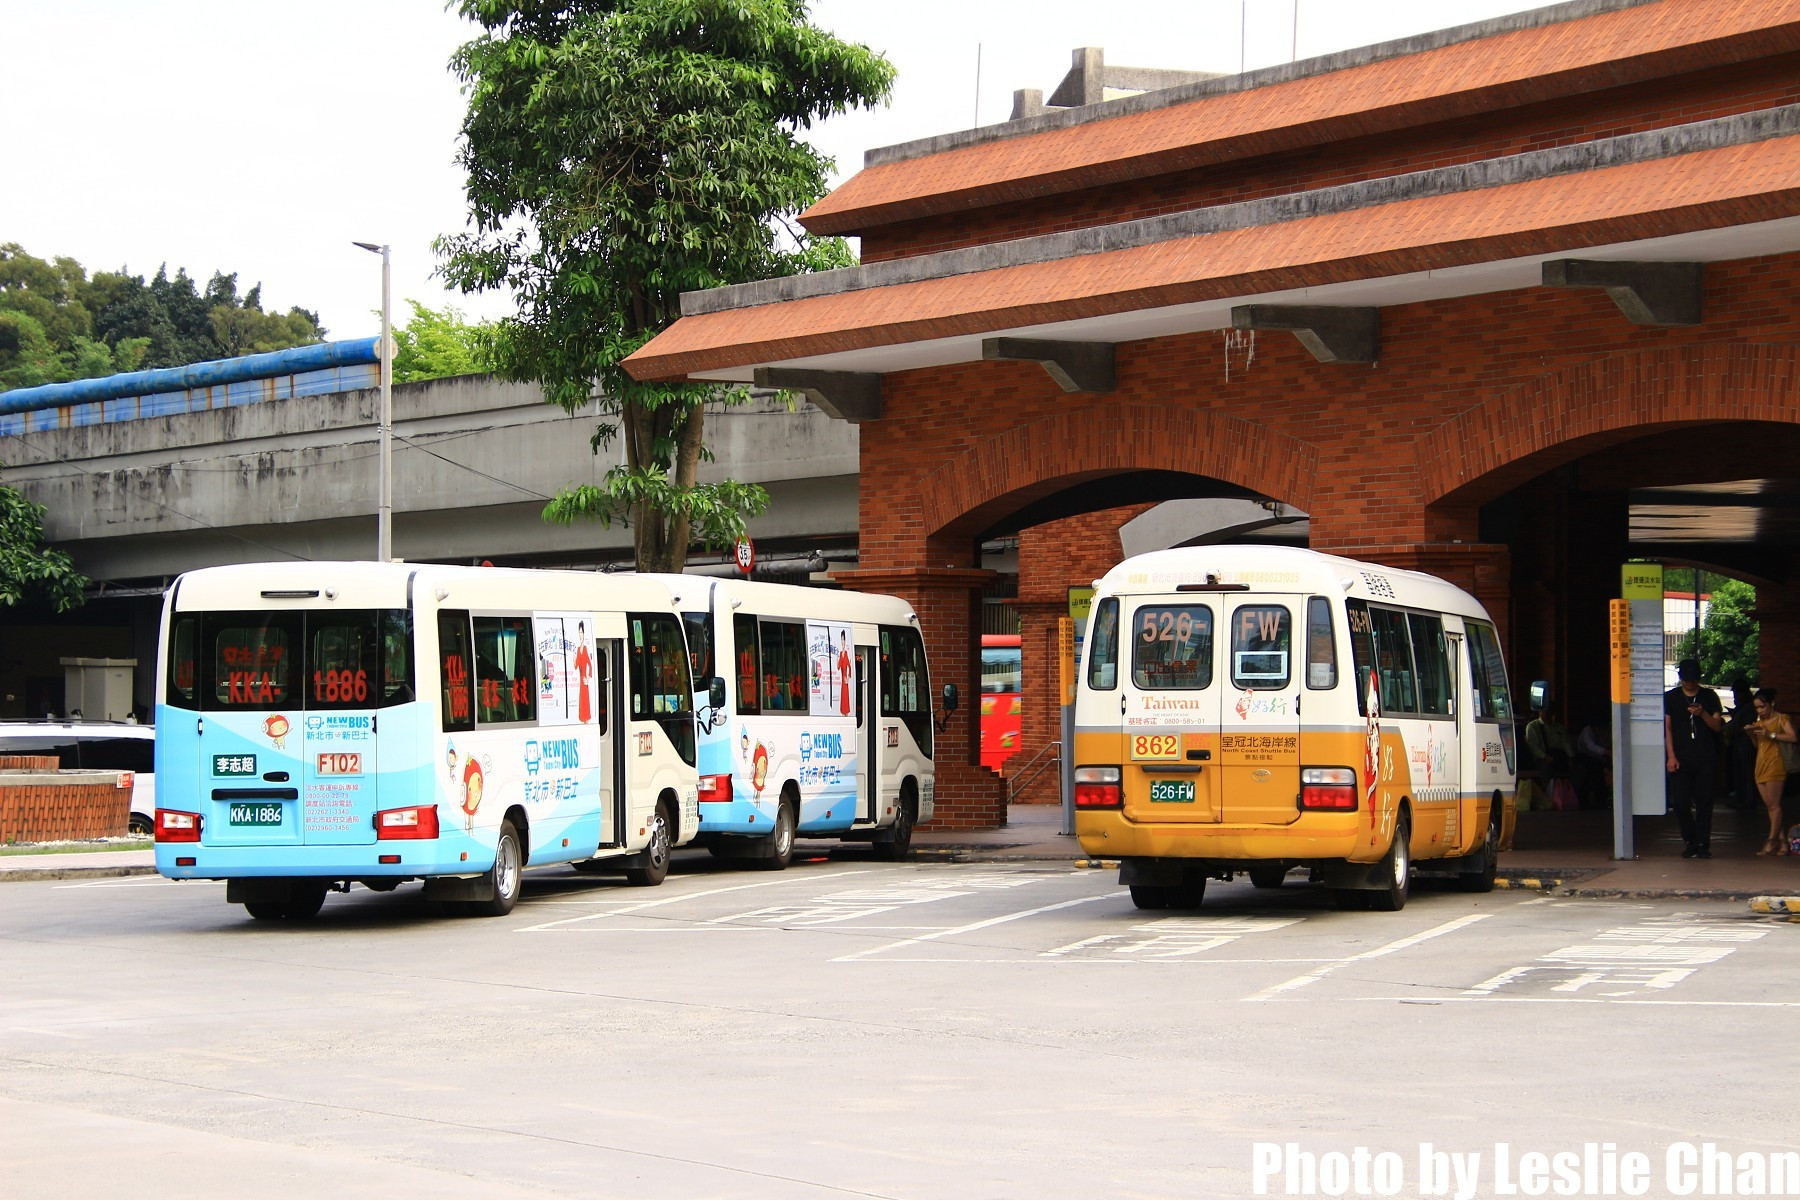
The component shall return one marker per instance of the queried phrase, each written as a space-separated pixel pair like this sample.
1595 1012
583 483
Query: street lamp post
384 520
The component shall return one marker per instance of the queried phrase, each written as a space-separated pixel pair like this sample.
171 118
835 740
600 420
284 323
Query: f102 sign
340 764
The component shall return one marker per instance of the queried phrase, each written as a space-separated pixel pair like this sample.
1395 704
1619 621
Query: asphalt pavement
1567 853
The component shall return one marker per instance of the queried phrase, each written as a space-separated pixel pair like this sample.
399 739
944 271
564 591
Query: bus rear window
1260 638
1172 648
249 662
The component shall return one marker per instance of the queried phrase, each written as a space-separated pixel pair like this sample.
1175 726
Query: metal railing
1036 765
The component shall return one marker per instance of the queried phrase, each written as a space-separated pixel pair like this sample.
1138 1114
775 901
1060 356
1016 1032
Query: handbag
1790 755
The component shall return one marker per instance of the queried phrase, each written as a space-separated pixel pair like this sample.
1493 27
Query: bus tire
1268 876
655 856
900 845
1151 895
1395 870
1189 893
778 847
1482 878
266 910
506 879
305 903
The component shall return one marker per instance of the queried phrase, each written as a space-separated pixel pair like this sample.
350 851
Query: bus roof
1284 569
787 599
392 585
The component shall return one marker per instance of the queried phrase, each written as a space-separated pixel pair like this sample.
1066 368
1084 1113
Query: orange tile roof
1559 214
1521 66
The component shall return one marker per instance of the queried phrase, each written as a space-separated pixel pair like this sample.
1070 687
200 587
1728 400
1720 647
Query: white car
95 745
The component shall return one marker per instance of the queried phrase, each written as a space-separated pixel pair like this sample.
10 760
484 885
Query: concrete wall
474 461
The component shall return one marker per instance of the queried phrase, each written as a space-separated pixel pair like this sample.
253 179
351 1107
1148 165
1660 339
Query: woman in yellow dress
1769 730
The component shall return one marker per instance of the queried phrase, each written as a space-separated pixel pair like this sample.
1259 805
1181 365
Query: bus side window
1431 659
602 685
1362 649
1393 654
505 670
457 712
1321 645
1103 647
1492 702
749 664
184 662
784 665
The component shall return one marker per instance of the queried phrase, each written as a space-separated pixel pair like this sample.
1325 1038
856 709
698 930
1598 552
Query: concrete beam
1347 335
1076 366
1648 293
853 396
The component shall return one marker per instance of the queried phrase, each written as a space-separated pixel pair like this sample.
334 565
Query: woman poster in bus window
843 670
584 672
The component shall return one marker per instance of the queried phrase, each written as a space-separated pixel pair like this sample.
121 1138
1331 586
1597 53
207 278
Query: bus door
352 660
250 740
1170 708
608 702
1259 721
868 749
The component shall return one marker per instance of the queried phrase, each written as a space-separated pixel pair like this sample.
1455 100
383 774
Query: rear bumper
417 859
1351 837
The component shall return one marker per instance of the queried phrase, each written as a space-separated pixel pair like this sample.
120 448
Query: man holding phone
1692 719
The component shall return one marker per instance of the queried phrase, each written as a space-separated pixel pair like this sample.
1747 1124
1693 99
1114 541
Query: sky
266 136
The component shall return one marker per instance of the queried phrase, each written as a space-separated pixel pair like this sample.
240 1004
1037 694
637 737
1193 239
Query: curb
39 874
1780 906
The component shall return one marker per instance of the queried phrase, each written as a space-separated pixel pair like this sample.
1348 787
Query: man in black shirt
1692 719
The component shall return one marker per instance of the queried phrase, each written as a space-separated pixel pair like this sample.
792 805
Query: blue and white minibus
814 716
327 723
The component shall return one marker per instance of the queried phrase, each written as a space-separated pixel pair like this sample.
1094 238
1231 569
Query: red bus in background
1001 703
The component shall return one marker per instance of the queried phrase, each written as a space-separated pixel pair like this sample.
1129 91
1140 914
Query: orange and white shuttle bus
1258 709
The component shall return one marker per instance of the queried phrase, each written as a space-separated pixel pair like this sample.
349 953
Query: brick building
1508 303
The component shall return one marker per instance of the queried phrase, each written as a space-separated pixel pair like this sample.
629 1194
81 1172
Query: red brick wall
37 808
1679 101
1472 397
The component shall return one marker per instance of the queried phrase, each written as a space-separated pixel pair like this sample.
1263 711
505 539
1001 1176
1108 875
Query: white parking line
628 909
960 929
1395 947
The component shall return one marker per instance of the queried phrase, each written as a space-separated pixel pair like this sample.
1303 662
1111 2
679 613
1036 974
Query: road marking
960 929
1656 953
642 905
1174 937
1404 943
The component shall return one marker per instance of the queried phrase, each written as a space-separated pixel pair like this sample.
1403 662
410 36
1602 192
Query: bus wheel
507 877
1188 893
898 846
1396 871
1151 895
779 846
305 904
655 856
266 910
1482 879
1269 876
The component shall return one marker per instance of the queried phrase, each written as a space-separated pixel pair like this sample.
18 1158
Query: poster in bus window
565 685
830 668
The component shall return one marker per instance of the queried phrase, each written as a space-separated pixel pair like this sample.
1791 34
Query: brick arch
1041 457
1562 415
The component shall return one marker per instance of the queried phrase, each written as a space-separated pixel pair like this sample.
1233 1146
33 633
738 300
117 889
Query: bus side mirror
715 692
1540 694
951 697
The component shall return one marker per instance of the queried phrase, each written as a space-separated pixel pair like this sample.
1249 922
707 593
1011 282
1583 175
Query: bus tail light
407 824
715 789
1330 789
1098 787
173 826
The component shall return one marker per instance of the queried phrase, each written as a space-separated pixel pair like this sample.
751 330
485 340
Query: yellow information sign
1065 653
1641 581
1620 643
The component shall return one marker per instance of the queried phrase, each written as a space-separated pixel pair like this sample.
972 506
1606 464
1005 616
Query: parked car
95 745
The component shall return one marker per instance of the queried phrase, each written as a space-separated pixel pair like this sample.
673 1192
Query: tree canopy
30 570
437 343
1728 642
57 324
618 153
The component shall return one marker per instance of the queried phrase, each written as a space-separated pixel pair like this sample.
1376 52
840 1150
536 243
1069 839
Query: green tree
437 344
619 153
30 570
1728 641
